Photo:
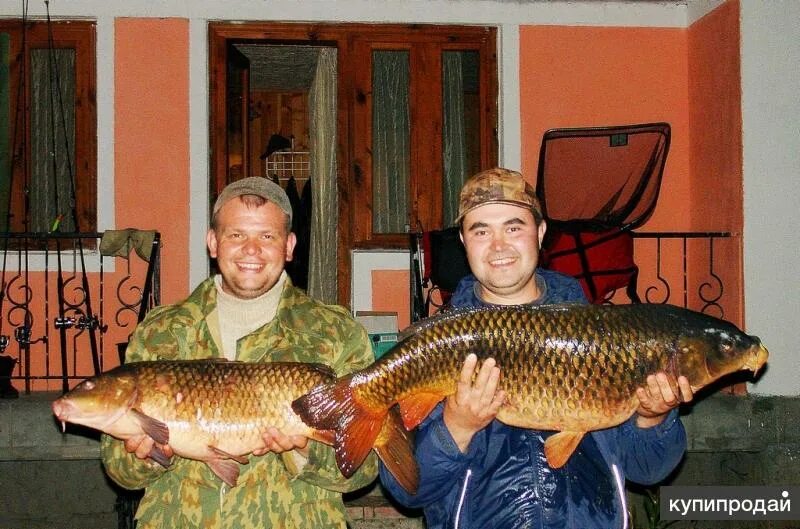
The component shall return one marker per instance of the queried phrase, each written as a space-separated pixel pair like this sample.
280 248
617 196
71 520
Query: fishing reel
83 323
23 336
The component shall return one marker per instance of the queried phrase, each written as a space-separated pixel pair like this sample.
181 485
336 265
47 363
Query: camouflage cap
498 186
255 185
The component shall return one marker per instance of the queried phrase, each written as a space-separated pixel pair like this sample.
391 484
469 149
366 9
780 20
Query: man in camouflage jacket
275 489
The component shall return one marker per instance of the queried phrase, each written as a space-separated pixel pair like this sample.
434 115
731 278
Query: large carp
571 368
212 410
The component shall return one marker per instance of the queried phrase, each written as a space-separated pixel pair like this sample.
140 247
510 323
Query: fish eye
725 343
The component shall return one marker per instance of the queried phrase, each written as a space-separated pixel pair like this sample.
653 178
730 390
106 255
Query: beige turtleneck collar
239 317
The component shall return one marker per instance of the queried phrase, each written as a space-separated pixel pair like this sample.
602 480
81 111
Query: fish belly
566 415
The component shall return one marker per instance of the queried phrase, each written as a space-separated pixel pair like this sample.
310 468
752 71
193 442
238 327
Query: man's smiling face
502 243
251 244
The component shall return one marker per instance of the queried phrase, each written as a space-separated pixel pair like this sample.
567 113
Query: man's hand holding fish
561 403
661 394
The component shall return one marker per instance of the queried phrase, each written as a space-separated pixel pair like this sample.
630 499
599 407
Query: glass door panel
391 137
461 125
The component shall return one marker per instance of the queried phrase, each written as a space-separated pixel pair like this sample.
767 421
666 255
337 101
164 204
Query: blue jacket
504 481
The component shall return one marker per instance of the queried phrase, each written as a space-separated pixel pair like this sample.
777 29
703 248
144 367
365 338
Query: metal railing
691 262
681 268
64 297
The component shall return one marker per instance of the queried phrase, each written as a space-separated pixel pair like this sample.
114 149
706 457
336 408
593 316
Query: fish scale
560 370
571 368
209 410
234 398
214 411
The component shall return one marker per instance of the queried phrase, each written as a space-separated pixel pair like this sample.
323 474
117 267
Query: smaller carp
212 410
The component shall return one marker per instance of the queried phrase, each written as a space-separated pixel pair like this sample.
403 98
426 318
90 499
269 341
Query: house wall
715 149
770 63
166 153
151 134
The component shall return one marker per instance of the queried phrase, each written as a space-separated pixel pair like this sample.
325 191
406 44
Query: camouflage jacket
272 491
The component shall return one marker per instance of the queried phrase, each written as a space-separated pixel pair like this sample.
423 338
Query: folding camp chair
438 262
597 185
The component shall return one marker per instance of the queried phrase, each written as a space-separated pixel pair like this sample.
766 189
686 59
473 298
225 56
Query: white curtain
454 134
391 141
52 138
322 269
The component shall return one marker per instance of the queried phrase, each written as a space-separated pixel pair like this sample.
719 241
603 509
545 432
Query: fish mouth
757 358
754 360
61 411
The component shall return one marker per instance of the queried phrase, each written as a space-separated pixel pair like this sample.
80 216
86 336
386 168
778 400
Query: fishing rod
88 321
19 149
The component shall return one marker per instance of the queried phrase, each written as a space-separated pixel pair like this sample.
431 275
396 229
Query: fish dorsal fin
438 318
324 369
227 470
416 407
152 427
242 460
395 448
452 314
558 447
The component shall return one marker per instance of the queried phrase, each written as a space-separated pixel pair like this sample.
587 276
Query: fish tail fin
394 446
333 407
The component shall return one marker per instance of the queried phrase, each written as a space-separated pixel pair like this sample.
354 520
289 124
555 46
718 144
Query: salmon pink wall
594 76
689 78
715 119
151 133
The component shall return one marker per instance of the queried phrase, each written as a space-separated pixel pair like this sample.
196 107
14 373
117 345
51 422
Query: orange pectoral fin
152 427
558 447
227 470
395 448
225 455
416 407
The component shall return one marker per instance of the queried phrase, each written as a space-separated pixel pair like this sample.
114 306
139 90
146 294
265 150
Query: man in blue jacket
476 472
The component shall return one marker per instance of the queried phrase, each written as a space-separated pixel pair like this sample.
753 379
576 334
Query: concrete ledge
733 440
741 423
30 432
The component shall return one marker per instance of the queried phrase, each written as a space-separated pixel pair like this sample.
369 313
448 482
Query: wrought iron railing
681 268
691 261
65 297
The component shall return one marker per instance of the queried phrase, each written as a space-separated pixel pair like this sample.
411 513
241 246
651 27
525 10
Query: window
48 145
424 117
